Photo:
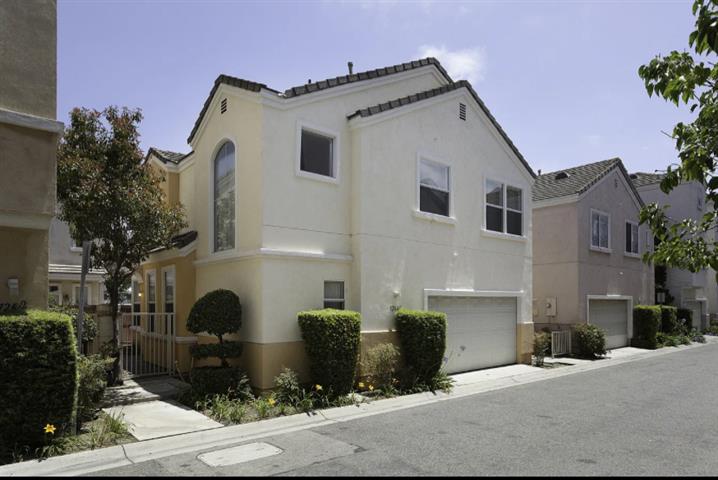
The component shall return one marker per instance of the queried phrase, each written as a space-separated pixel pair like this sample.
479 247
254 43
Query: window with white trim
55 294
168 282
334 295
434 188
504 208
136 305
76 294
631 237
151 283
317 154
224 166
600 230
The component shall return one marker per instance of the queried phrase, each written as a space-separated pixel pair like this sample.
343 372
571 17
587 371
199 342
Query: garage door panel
481 331
612 317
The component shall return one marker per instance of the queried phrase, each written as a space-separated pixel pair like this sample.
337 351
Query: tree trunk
86 250
114 300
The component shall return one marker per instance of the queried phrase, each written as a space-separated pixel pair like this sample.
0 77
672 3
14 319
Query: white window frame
164 270
210 246
59 291
336 148
148 274
638 240
450 218
73 246
598 248
344 290
76 292
504 208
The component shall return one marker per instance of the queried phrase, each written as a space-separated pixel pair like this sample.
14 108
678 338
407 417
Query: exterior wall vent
561 175
223 106
462 111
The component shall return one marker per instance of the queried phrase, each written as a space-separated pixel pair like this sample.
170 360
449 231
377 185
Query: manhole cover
239 454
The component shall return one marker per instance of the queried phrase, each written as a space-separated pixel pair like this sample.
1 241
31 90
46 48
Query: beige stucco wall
28 42
566 267
66 290
24 255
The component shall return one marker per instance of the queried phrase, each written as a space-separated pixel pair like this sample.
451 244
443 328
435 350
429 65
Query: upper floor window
631 237
334 295
504 208
434 188
317 154
224 166
600 230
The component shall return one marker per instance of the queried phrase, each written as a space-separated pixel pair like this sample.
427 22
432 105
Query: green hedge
647 321
207 350
332 340
423 342
219 380
38 377
687 315
669 320
590 341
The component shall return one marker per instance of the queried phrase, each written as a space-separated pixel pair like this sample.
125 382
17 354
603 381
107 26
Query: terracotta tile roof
417 97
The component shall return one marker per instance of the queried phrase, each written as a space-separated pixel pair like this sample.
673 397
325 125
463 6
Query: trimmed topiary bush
38 378
669 320
647 321
590 341
230 381
219 313
332 340
423 343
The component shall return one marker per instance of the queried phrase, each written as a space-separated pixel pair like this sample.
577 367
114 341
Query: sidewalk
466 384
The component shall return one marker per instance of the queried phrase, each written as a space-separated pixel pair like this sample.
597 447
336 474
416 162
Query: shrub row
647 322
590 341
39 377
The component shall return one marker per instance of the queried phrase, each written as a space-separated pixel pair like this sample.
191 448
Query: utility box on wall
550 306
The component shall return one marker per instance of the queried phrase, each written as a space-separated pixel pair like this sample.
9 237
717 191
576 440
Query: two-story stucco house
369 191
685 201
587 265
29 134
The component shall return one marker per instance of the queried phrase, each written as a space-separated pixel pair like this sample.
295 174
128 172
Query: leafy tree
109 195
690 79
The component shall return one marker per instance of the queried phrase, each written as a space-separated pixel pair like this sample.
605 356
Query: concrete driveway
655 416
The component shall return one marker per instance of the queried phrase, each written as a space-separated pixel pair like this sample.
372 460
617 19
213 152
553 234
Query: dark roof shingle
179 241
166 156
577 180
641 179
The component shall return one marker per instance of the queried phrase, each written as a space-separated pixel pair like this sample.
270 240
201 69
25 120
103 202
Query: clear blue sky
560 76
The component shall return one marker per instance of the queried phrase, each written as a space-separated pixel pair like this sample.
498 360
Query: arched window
224 198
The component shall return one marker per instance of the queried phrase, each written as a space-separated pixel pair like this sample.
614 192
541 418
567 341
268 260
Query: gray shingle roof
179 241
400 102
368 75
167 156
577 180
314 86
641 179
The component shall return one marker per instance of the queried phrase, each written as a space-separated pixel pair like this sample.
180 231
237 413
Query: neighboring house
29 134
685 201
65 268
369 191
587 265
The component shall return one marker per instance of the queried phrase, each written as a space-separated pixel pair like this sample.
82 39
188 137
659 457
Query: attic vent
223 106
633 176
561 175
462 111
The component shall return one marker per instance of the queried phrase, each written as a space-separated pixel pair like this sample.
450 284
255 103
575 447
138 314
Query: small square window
434 188
334 295
317 154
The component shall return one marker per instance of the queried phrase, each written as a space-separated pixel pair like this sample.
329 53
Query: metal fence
147 344
560 342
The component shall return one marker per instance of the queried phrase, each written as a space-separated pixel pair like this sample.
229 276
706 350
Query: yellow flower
318 388
361 384
49 428
371 388
271 402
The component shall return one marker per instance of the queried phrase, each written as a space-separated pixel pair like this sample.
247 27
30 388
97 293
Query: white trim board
31 121
273 253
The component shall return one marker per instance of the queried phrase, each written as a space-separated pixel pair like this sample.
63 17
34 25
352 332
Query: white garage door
611 316
480 331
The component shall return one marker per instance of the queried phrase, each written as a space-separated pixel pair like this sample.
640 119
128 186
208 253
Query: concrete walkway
145 389
211 439
161 418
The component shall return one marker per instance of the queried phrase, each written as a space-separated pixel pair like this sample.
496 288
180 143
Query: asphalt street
654 416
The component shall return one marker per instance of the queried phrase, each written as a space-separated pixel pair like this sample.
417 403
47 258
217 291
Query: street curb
87 462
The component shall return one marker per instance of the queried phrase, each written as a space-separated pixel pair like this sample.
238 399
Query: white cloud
466 64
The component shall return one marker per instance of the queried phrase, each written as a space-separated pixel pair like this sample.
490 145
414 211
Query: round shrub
218 313
380 365
423 342
92 384
590 341
542 346
332 340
